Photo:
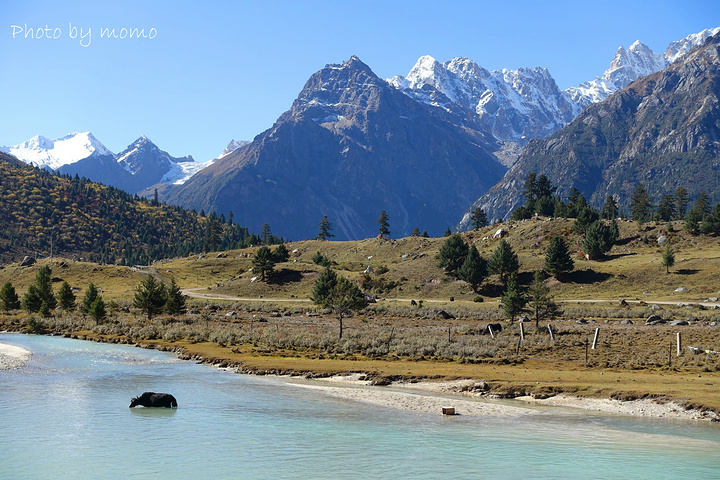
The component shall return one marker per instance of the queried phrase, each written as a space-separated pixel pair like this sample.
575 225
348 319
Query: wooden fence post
679 344
597 332
552 337
522 332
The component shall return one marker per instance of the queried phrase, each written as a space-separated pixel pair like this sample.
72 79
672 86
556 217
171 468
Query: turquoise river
65 415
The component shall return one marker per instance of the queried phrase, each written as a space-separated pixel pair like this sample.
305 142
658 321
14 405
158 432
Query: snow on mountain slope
232 146
679 48
632 64
45 153
181 172
514 105
517 105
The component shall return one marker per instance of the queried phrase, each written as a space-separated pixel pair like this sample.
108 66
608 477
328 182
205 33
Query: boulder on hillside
501 232
654 320
27 261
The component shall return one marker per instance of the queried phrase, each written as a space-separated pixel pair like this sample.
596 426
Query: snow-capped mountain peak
514 105
679 48
43 152
234 145
633 63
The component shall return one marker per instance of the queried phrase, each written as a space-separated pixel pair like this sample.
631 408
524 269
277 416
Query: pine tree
281 254
150 296
31 301
478 219
43 283
91 294
584 219
384 224
415 232
66 298
338 294
666 208
323 285
325 227
503 260
640 204
702 206
320 259
474 269
681 202
599 238
265 233
9 297
97 309
557 257
175 304
514 300
610 208
692 222
452 253
668 258
540 301
263 262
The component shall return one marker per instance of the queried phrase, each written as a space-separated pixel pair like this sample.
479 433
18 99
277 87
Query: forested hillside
76 217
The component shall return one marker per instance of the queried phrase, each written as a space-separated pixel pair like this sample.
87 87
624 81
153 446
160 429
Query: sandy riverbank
432 396
12 356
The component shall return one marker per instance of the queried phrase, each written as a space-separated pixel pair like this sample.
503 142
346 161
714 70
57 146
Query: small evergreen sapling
474 269
514 299
66 298
540 300
150 296
91 294
9 297
557 257
175 304
668 258
504 260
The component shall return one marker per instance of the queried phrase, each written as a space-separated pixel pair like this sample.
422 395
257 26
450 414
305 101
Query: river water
65 416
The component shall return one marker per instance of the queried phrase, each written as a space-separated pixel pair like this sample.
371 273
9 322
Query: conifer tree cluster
462 261
154 297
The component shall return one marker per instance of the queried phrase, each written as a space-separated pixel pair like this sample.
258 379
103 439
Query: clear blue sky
217 70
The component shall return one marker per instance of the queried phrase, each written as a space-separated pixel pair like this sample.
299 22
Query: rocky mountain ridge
141 165
663 130
519 105
350 146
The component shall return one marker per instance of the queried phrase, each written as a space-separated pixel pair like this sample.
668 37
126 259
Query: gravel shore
12 357
432 397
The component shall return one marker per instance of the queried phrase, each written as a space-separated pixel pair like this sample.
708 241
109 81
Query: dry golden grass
631 360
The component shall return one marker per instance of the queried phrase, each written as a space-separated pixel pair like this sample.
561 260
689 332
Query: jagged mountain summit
138 167
663 131
633 63
518 105
349 147
233 145
514 105
42 152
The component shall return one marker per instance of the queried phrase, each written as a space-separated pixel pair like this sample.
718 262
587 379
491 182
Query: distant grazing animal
152 399
496 328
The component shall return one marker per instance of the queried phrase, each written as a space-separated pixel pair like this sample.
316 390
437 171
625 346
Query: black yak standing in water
152 399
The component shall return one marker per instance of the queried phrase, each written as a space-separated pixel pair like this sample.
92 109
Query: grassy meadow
236 319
